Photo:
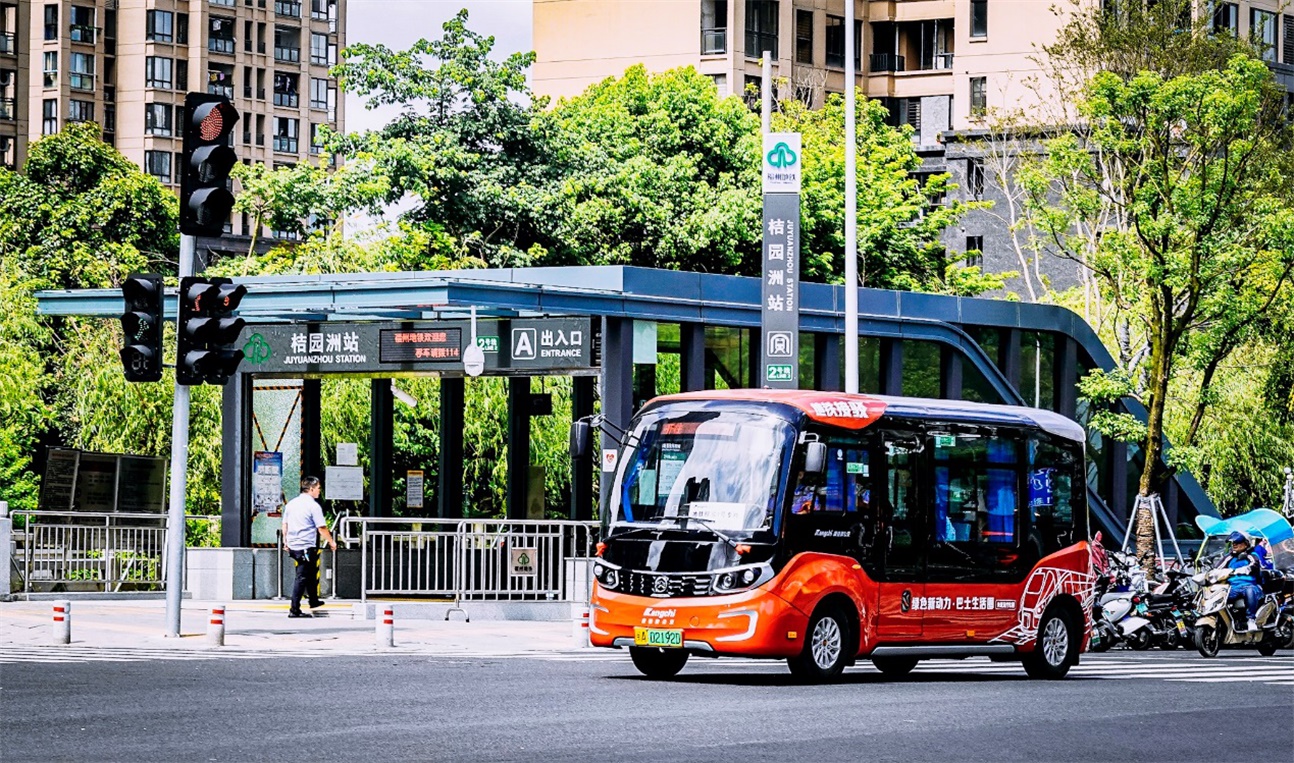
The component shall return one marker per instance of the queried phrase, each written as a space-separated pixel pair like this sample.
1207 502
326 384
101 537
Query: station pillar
449 471
382 426
518 446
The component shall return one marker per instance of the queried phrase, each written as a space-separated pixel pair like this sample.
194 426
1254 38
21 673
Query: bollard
580 624
216 626
62 622
386 627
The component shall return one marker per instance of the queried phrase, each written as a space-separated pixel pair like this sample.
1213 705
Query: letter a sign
523 344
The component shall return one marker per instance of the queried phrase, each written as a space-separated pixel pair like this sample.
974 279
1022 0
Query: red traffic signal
205 200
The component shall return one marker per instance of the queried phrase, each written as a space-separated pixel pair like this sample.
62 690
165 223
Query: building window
160 26
49 125
8 95
319 49
109 118
1226 18
51 24
286 132
975 178
1287 22
220 80
1262 29
157 72
158 164
322 10
221 37
82 24
974 252
81 71
714 27
287 8
285 90
979 18
181 74
51 68
318 93
803 37
181 29
978 96
225 3
80 111
316 147
157 119
761 28
8 157
835 38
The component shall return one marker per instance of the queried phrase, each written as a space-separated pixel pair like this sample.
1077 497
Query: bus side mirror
580 439
815 457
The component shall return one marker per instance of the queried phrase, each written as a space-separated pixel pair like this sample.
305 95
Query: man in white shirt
303 522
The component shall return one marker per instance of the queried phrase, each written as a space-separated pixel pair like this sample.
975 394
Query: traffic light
206 351
141 356
205 201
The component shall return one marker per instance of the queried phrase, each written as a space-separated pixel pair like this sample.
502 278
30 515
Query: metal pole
851 209
179 473
766 93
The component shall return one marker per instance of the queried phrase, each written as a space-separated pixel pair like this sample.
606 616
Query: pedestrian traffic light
205 200
141 323
206 351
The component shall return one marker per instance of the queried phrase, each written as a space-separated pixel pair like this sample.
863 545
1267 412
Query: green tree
1175 191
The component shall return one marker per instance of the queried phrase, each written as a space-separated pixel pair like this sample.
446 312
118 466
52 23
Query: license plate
670 638
1181 627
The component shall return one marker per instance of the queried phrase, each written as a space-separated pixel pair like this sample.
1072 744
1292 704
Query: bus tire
826 647
895 667
1056 648
658 663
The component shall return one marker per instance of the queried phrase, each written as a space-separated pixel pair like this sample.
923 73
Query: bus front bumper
751 623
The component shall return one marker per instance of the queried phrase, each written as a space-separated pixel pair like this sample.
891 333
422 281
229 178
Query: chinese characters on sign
780 308
400 346
931 603
324 347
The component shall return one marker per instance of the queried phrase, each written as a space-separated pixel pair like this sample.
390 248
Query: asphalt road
416 707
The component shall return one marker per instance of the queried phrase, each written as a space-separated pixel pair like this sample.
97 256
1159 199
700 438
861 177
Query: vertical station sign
780 311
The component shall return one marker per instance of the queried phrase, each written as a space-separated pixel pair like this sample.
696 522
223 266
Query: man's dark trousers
307 582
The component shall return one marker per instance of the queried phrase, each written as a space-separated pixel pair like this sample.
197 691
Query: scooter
1169 607
1115 617
1217 615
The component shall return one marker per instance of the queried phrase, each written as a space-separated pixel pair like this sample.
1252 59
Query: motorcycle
1115 616
1217 612
1170 611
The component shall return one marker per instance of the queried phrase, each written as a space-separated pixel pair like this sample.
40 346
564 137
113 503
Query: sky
399 23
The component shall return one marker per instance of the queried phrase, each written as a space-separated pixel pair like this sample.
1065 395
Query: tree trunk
1153 446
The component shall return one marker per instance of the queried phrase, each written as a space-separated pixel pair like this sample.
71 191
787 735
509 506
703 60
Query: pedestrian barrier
386 628
472 560
94 551
216 626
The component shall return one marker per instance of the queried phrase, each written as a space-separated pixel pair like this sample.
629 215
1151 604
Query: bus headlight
741 578
607 575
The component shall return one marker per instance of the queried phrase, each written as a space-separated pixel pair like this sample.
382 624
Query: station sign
519 346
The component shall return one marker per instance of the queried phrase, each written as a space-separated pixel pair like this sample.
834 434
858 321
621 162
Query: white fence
87 551
472 559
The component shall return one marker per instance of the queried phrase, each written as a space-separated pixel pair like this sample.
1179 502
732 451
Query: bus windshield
721 468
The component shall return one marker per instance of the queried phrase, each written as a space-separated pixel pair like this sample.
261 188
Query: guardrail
107 552
472 559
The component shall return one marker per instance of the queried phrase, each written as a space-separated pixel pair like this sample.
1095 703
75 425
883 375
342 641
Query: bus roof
858 411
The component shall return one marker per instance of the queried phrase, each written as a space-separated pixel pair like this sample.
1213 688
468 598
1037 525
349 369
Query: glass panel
921 368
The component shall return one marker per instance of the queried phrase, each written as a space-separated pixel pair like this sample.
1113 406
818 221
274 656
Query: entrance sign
780 309
528 345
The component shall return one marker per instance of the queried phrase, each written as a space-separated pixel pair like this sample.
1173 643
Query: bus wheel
655 662
826 649
895 667
1055 648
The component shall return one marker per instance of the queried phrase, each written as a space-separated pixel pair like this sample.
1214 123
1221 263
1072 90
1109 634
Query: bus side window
1054 483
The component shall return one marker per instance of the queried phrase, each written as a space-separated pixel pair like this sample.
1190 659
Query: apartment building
938 65
127 64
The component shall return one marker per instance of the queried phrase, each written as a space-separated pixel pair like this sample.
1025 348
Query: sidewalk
266 627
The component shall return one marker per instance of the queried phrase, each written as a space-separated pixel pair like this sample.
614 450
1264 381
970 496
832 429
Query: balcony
285 145
83 33
8 109
225 90
878 63
714 41
291 100
291 55
292 10
221 45
8 44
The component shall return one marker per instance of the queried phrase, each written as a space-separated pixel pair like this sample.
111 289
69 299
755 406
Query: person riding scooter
1245 569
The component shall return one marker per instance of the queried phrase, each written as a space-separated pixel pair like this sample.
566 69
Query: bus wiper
707 524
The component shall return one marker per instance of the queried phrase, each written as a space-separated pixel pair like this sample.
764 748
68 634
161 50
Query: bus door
978 528
898 553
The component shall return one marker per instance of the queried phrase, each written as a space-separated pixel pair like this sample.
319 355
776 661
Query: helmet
1237 537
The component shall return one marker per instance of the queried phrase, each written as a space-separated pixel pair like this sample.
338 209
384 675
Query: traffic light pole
179 472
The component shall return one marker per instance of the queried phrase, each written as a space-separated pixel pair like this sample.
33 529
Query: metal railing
106 552
471 559
885 62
